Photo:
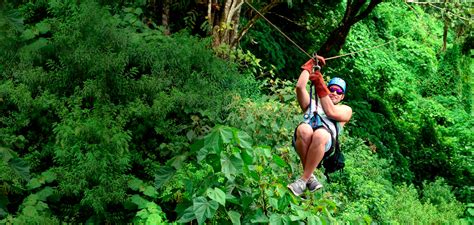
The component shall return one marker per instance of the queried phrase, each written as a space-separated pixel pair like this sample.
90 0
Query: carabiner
316 66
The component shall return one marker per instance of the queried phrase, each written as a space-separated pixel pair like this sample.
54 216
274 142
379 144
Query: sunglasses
337 90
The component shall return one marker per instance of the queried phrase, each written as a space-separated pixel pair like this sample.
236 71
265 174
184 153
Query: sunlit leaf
135 184
234 217
279 161
276 219
244 140
139 201
204 209
217 195
231 165
150 191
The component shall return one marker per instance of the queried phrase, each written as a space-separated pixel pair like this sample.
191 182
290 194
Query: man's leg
304 134
315 152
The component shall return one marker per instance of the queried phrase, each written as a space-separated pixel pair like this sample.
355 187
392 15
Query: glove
318 81
311 62
309 65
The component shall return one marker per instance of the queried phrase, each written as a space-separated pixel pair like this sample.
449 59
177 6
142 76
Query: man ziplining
324 117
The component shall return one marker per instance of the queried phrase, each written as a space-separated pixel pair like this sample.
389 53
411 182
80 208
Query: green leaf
265 150
28 34
244 140
213 142
283 202
231 165
226 133
246 157
279 161
43 27
204 209
6 154
49 176
3 213
150 191
470 211
201 154
177 161
135 184
259 217
188 215
275 219
30 211
217 195
273 202
138 11
234 217
20 167
139 201
45 193
33 183
163 175
314 220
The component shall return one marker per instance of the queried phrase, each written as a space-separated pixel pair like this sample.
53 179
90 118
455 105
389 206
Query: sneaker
297 187
313 184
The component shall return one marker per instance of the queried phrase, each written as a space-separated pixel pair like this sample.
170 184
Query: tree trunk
165 16
225 21
353 14
445 34
445 28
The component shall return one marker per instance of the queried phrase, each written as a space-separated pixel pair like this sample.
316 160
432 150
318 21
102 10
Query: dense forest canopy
157 112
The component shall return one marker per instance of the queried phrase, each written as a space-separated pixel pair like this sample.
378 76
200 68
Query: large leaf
279 161
244 140
20 167
188 215
163 175
276 219
259 217
6 154
247 157
314 220
231 165
204 209
217 195
43 27
45 193
234 217
215 140
139 201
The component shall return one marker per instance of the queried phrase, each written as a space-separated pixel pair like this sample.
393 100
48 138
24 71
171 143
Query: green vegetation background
104 119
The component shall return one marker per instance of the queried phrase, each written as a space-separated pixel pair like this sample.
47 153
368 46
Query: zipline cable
289 39
306 53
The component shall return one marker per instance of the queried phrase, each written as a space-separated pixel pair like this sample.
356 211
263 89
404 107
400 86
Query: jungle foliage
106 117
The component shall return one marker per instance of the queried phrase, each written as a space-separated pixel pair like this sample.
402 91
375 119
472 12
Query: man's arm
341 113
301 93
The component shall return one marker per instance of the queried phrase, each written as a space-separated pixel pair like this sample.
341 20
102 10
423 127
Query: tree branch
366 12
252 21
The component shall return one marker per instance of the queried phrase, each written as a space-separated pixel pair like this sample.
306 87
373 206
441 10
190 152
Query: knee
304 133
320 136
